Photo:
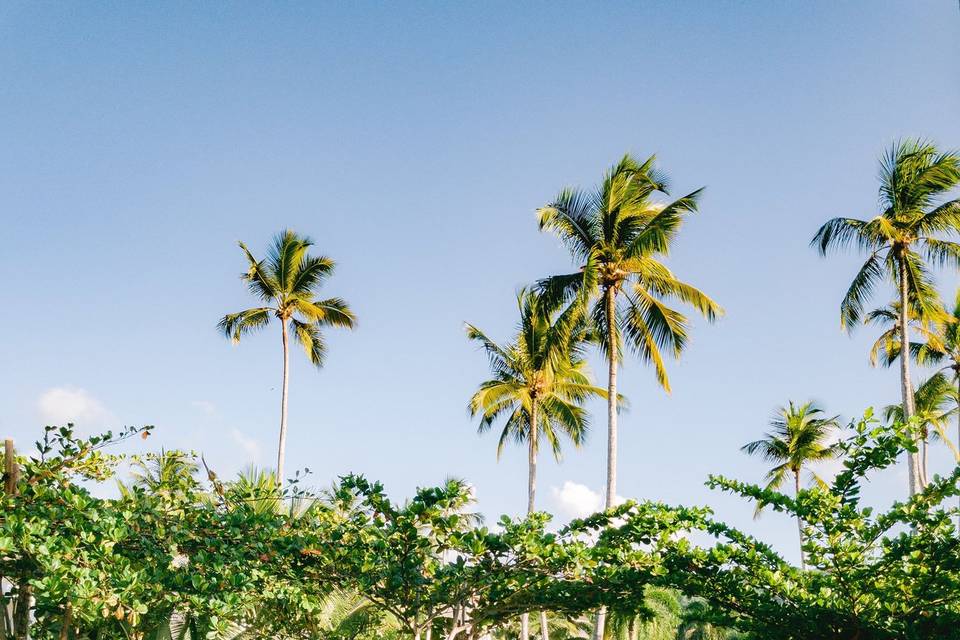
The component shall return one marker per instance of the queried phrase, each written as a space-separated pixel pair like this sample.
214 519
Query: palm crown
886 348
935 403
902 238
798 437
541 372
287 281
619 234
942 347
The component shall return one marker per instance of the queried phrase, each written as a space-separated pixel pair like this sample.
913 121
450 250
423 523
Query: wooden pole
11 470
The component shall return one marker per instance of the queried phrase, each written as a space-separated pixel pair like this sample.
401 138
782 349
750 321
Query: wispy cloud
60 405
249 445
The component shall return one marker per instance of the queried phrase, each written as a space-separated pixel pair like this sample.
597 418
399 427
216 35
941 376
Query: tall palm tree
287 282
935 404
798 437
540 382
914 179
618 234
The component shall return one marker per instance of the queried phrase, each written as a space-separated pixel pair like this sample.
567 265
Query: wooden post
11 471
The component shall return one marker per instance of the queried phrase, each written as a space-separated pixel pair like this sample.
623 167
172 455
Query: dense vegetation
181 553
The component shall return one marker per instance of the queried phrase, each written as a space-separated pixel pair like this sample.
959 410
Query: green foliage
119 567
170 558
875 576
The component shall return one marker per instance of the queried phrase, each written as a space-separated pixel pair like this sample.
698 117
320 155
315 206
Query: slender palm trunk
281 450
532 435
796 486
610 300
544 628
532 459
612 344
906 389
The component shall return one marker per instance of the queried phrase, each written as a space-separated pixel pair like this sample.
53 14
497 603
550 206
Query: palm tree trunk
532 459
906 389
796 485
531 493
611 307
610 296
544 628
281 450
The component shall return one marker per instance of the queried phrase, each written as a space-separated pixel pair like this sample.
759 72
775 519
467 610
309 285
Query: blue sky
413 143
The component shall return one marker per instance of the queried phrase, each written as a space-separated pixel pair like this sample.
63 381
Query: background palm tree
914 178
539 386
944 351
163 470
798 437
618 234
886 348
934 403
287 282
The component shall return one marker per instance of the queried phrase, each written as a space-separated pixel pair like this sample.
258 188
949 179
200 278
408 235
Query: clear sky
413 143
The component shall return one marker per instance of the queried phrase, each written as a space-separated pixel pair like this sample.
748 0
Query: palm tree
886 348
163 470
618 234
929 398
287 282
935 403
914 178
798 437
944 351
540 382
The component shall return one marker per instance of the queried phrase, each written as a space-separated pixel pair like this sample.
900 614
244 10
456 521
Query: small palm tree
164 469
886 348
944 351
287 282
539 386
914 178
935 404
619 234
798 437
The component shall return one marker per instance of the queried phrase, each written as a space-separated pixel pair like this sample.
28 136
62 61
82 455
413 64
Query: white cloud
61 405
575 500
249 445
